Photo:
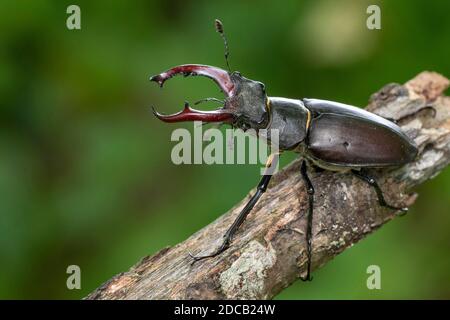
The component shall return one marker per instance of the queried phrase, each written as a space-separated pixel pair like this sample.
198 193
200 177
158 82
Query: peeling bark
269 251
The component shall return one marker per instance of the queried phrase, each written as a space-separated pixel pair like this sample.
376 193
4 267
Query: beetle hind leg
373 183
310 191
208 100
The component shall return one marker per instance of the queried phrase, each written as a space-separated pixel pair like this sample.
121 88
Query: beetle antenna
219 28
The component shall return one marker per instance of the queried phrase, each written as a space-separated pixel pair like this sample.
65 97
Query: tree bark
268 253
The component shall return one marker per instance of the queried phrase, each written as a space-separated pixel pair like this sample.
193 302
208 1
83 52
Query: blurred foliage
85 170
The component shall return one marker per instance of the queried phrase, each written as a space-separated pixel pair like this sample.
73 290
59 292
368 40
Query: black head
249 104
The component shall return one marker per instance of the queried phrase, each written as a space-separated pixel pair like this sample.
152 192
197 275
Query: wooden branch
269 251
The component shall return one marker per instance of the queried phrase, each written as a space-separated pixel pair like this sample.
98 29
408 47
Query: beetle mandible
329 135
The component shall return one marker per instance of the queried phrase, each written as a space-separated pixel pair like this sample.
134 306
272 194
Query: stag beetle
329 135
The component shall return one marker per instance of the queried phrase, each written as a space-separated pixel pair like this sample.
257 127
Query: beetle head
245 105
249 104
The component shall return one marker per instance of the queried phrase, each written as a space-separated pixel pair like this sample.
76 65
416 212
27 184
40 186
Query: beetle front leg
228 236
310 191
209 99
372 182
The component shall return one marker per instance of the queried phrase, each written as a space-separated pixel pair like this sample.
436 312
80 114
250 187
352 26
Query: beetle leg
208 99
261 188
372 182
310 191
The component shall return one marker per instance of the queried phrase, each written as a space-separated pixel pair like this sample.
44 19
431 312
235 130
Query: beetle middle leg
208 100
372 182
310 191
260 189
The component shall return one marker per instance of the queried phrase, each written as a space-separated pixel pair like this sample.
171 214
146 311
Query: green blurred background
85 170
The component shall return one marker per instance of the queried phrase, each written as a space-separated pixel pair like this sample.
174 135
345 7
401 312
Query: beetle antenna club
219 28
